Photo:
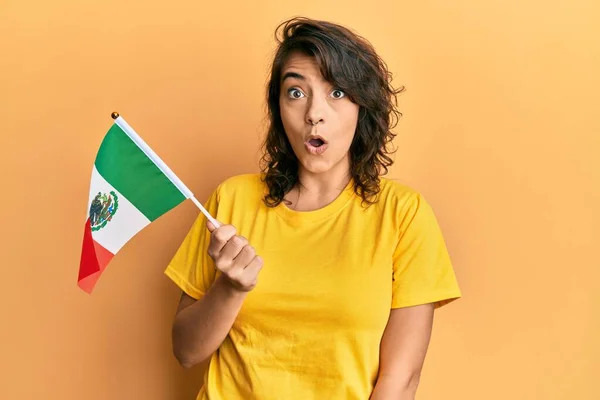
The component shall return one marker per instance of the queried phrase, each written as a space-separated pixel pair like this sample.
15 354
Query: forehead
304 64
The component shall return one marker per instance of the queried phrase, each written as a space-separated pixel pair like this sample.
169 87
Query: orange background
500 132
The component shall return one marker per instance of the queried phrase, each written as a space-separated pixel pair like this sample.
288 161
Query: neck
322 183
315 191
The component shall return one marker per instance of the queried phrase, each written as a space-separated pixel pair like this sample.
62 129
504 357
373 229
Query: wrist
229 289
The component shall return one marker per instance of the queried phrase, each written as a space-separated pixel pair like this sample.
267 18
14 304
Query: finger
249 277
245 256
254 267
233 247
219 238
211 227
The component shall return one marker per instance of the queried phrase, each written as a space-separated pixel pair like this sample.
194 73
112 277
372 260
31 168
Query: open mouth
316 145
316 142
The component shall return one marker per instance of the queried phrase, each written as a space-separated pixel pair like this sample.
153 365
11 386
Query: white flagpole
161 165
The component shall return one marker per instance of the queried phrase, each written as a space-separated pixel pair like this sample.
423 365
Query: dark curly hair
350 63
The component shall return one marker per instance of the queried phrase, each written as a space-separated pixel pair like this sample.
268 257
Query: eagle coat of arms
103 208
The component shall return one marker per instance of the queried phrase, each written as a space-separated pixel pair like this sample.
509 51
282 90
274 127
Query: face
319 119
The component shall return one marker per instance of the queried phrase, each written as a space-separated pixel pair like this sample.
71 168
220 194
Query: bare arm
201 326
403 349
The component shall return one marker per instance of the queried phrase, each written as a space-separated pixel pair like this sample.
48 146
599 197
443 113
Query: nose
315 112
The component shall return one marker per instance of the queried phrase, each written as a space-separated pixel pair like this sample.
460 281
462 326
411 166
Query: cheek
291 117
349 120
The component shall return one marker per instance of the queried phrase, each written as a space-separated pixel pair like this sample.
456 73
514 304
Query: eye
295 93
337 94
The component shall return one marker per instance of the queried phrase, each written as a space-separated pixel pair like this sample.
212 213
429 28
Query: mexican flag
130 188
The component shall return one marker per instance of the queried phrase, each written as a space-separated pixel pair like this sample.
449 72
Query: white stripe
127 220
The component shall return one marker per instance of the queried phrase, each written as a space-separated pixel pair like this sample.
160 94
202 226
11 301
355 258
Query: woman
323 279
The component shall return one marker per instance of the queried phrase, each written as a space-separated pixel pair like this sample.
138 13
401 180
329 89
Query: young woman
323 279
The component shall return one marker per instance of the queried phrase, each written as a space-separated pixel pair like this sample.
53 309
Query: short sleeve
422 269
191 268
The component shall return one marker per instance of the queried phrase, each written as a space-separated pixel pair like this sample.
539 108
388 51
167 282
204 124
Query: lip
313 149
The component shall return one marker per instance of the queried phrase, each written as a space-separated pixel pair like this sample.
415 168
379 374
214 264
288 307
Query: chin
317 166
317 171
320 164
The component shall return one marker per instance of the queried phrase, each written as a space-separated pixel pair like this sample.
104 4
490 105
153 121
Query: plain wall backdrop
500 132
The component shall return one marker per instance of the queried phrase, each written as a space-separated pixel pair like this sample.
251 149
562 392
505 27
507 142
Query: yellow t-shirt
311 328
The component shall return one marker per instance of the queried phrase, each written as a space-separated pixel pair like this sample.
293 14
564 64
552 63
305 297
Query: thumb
211 227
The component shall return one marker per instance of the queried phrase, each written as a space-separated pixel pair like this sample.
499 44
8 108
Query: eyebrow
292 75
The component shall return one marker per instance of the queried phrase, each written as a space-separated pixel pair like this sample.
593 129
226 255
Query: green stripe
121 162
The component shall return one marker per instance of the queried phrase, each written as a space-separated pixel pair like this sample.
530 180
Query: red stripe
94 259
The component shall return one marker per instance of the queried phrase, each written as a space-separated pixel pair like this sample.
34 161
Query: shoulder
247 185
408 208
404 203
394 192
